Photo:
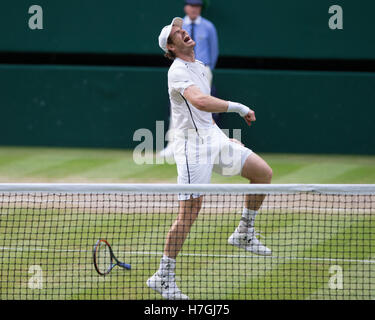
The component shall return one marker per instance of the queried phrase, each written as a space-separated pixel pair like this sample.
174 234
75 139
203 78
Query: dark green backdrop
102 107
271 28
312 112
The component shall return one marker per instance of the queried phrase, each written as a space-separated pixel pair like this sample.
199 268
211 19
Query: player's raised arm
212 104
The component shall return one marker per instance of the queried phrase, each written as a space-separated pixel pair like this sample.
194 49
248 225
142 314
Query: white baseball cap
165 32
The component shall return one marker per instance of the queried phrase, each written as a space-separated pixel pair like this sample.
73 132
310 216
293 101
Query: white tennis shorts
197 155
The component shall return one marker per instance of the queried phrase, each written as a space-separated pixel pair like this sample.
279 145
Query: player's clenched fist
250 117
242 110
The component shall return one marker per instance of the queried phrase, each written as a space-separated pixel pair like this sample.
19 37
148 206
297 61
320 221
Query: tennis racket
104 258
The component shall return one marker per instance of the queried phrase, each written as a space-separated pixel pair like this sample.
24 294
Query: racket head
103 257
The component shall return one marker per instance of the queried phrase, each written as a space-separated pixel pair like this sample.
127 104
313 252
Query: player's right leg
163 281
190 171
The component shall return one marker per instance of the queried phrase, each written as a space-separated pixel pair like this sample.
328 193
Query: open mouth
187 39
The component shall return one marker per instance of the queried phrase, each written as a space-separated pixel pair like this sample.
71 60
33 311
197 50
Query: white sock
167 266
247 220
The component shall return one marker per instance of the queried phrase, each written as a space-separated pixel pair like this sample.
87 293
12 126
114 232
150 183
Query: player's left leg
256 170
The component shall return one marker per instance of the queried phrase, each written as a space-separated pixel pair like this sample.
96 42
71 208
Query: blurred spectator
203 32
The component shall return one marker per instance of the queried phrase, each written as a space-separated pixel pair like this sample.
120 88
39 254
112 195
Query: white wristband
241 109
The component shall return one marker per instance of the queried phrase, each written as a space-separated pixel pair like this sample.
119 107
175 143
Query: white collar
185 62
187 20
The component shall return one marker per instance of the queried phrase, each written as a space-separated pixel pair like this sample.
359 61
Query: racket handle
124 265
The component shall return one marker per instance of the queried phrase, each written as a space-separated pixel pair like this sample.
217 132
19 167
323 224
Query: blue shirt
205 37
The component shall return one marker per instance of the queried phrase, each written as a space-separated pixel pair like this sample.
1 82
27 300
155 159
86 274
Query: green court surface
117 166
306 244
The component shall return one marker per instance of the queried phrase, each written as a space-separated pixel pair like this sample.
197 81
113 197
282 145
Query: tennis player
200 148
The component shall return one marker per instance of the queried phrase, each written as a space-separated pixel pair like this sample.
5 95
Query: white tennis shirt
181 75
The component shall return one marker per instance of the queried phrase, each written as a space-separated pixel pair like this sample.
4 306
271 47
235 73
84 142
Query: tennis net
322 239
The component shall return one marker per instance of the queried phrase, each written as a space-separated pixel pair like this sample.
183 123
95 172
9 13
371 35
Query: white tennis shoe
166 286
249 242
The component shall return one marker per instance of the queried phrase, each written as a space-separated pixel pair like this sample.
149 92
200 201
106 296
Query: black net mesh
322 246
